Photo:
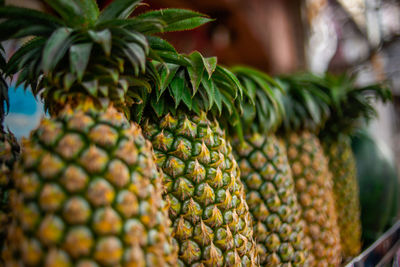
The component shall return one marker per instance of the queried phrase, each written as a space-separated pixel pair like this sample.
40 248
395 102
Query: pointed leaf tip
103 38
55 48
79 57
196 70
118 9
76 13
178 19
210 65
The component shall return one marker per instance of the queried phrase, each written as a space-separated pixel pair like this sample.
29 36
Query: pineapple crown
306 104
81 50
262 105
350 106
189 83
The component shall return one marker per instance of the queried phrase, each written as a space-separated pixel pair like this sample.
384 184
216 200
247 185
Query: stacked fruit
88 190
91 190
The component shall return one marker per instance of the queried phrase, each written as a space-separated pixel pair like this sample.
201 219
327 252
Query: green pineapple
266 174
88 190
350 106
306 109
211 222
9 152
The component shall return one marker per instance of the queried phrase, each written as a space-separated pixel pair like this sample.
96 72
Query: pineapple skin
9 153
270 194
211 222
88 194
345 187
313 183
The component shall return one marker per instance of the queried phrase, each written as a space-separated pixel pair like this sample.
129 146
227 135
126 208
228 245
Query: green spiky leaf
209 86
177 19
226 77
210 64
161 50
79 58
22 28
76 13
92 87
196 70
167 73
30 16
103 38
158 106
143 25
178 90
136 57
120 9
350 106
55 48
260 107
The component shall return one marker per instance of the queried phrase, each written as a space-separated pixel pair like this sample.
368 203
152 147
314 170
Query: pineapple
88 191
211 222
9 152
350 106
306 110
266 174
313 183
345 187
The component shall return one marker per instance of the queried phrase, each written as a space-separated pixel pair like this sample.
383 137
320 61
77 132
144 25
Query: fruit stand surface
384 252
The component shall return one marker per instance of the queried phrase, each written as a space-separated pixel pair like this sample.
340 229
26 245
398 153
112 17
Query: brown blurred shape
267 34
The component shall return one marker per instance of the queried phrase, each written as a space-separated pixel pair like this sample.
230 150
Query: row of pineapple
154 158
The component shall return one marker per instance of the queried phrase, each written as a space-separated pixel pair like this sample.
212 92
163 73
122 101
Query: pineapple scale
211 222
345 187
313 184
88 194
266 174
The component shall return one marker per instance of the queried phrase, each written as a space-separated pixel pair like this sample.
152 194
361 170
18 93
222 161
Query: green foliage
350 106
306 104
177 19
197 85
81 50
262 107
76 13
118 9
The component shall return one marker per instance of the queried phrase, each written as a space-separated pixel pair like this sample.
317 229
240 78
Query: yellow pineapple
313 183
351 106
266 173
211 222
87 191
306 109
343 167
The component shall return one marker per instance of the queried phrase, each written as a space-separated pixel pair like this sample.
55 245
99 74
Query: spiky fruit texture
266 174
9 152
345 187
211 221
88 194
313 183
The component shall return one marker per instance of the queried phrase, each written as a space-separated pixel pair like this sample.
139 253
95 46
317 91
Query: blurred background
286 36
